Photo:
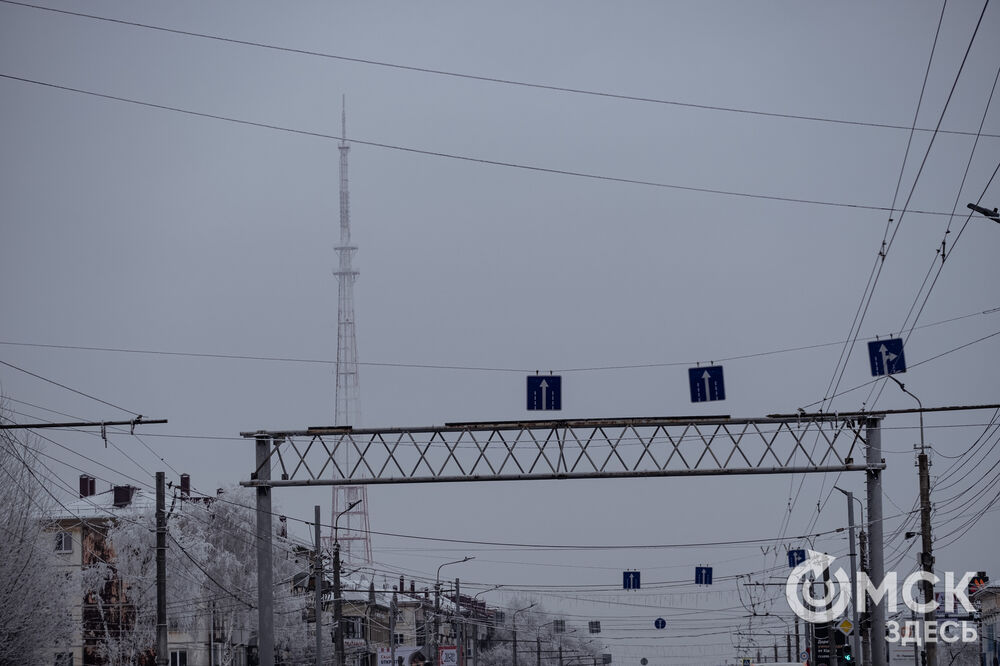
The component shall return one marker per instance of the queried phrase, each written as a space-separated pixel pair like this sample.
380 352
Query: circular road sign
660 623
644 661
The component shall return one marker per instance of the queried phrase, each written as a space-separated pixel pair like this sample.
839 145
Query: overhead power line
490 79
432 366
467 158
63 386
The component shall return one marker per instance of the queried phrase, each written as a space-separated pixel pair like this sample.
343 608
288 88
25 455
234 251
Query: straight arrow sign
706 384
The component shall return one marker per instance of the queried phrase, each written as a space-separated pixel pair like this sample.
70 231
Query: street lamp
991 214
437 602
514 630
338 603
926 557
854 565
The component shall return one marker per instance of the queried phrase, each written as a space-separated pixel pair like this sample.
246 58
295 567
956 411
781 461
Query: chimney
185 485
413 588
401 581
283 527
123 496
87 485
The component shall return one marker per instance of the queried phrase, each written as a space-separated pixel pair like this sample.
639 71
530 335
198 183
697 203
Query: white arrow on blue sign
886 357
706 383
796 557
660 623
703 575
630 580
544 392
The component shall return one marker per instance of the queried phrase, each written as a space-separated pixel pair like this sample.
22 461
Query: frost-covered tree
533 626
211 579
35 587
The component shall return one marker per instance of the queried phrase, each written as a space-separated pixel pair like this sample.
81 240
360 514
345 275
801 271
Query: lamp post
338 603
475 640
926 556
514 630
854 566
437 603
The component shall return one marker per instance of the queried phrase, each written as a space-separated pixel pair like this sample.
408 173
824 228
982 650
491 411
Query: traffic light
842 647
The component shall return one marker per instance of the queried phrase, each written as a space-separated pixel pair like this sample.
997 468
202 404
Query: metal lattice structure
355 540
566 449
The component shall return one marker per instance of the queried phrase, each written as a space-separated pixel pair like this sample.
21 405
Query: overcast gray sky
139 228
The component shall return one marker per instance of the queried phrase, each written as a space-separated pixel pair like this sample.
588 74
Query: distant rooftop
102 506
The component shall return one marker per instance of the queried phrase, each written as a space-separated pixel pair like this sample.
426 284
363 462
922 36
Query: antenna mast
353 532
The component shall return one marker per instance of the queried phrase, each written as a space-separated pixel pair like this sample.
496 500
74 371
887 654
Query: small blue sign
703 575
796 557
746 662
544 392
886 357
706 383
630 580
660 623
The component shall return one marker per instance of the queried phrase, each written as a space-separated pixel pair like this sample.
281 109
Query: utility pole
162 656
876 534
437 620
393 609
854 568
338 606
538 651
927 554
265 571
459 628
865 628
318 578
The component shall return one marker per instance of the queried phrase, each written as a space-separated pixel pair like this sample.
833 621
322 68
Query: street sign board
746 662
845 626
703 575
544 392
886 357
630 580
660 623
706 383
796 557
594 626
448 655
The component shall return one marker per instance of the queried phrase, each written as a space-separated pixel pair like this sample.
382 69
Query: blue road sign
706 383
544 392
660 623
796 557
746 662
886 357
703 575
630 580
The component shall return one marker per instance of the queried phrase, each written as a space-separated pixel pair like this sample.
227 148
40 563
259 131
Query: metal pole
338 606
788 647
866 634
437 620
265 574
162 656
460 629
876 535
514 638
798 647
538 651
318 578
854 569
393 609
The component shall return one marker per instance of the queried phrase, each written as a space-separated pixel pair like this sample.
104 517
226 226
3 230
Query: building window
178 658
64 542
397 639
64 659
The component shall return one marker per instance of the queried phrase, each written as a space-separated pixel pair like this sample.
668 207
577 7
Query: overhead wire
481 78
467 158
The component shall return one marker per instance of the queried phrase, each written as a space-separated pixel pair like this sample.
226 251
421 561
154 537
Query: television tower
352 532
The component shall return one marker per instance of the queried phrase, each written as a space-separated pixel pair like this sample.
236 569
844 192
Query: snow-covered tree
533 626
34 586
211 579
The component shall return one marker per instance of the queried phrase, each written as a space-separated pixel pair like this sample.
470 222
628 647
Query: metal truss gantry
566 449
